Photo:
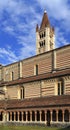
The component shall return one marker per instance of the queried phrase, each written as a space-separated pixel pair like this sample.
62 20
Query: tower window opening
44 42
40 36
44 34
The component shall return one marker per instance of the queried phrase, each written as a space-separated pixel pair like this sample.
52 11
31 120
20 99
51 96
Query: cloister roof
41 102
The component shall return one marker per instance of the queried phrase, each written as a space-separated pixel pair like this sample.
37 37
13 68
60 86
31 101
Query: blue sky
18 19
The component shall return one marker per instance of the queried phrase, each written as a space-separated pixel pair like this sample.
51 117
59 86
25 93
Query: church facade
37 89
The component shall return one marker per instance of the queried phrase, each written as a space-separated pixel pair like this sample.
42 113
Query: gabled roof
45 21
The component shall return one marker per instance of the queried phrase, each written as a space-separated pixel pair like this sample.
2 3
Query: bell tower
45 36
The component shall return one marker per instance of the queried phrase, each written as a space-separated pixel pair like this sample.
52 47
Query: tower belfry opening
45 37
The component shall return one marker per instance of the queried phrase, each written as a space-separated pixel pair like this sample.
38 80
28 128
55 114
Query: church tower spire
44 36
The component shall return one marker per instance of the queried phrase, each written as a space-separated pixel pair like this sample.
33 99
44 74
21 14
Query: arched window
22 93
36 69
12 75
60 87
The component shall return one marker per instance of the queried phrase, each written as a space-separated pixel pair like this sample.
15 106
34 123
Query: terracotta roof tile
52 101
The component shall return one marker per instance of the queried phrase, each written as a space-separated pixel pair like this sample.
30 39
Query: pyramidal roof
45 21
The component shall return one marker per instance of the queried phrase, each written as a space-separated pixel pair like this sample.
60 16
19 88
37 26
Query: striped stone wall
41 88
63 57
12 92
67 85
48 88
44 63
7 75
32 89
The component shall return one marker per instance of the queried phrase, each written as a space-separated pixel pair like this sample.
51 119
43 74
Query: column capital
51 112
57 111
30 112
35 112
26 112
63 111
40 112
45 111
14 113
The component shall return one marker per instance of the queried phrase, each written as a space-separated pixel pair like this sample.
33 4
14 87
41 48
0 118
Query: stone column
4 116
26 116
14 116
51 115
57 116
40 116
7 116
10 116
18 116
31 116
35 116
63 116
22 117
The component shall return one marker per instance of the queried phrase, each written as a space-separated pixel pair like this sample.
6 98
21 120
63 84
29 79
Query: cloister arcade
37 116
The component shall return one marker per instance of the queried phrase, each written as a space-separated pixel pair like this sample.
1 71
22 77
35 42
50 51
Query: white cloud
57 8
9 29
60 40
8 54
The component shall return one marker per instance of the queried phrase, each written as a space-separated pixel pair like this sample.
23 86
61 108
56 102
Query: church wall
40 88
48 87
8 70
32 89
63 57
12 92
44 63
67 85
